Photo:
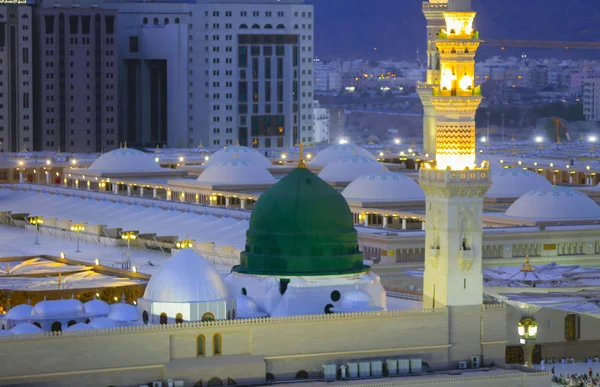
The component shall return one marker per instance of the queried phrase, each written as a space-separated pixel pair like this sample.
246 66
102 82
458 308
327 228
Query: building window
217 345
163 319
133 44
208 317
572 327
201 345
178 318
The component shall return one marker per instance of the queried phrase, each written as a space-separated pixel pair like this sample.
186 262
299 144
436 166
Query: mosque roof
97 307
125 160
56 308
351 168
19 312
246 307
338 152
356 301
553 204
236 172
25 329
382 187
102 323
241 153
123 312
186 277
79 327
514 182
301 226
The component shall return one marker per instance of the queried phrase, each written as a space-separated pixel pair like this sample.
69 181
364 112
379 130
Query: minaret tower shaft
455 186
434 14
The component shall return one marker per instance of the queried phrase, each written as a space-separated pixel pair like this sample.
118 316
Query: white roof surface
25 329
125 160
57 308
236 172
338 152
514 182
382 187
554 203
186 277
351 168
123 312
241 153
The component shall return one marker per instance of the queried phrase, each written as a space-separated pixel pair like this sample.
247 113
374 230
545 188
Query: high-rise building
75 76
16 77
591 99
238 71
320 125
434 13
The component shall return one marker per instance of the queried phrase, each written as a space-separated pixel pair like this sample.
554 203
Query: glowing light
466 82
459 23
48 162
592 138
484 139
397 141
205 158
552 165
62 255
587 167
520 162
181 159
381 154
97 261
539 139
343 141
308 156
156 159
134 269
74 161
284 156
21 163
410 150
447 79
455 162
501 161
115 298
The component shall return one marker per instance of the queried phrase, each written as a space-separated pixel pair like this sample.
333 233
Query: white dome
79 327
241 153
516 182
25 329
125 160
102 323
5 333
382 187
351 168
186 277
97 307
57 308
235 172
123 312
338 152
356 301
19 312
246 308
555 203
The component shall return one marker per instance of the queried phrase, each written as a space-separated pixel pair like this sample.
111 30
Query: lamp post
36 221
78 228
128 236
528 328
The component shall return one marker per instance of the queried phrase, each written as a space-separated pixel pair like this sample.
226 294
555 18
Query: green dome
301 226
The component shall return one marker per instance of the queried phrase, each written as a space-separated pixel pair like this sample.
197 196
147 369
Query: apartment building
591 99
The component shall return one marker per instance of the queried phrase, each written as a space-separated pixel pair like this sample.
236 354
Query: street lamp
185 244
397 141
36 221
128 236
78 228
528 329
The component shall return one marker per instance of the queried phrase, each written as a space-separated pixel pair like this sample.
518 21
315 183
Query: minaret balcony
449 176
466 255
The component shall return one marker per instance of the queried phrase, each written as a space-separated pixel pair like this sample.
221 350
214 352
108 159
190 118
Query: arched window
166 21
56 327
215 382
3 327
178 318
145 20
255 26
145 317
217 344
295 26
24 16
37 324
208 317
71 323
244 292
163 318
328 309
176 20
243 27
231 382
233 314
228 315
268 27
280 26
87 320
270 377
302 375
155 21
201 345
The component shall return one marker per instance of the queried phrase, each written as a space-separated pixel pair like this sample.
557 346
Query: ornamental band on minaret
454 186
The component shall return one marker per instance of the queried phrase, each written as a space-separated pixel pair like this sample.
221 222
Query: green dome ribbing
301 226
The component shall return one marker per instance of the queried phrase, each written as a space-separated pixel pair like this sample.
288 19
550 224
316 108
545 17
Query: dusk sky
350 28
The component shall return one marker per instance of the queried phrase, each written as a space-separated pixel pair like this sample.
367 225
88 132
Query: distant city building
591 99
75 77
337 124
320 125
327 78
16 78
243 72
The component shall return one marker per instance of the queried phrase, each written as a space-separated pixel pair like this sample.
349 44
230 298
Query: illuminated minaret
455 186
434 13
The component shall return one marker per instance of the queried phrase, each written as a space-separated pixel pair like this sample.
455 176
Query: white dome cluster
554 204
514 182
125 160
351 168
383 187
235 172
338 152
241 153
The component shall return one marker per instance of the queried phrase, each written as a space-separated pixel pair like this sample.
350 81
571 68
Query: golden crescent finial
301 162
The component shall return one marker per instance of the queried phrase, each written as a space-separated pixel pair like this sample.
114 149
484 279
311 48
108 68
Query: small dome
102 323
5 333
555 203
186 277
79 327
516 182
125 160
123 312
25 329
351 168
234 172
246 308
356 301
241 153
53 308
338 152
383 187
97 307
19 312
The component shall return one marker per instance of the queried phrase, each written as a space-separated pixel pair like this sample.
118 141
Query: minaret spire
301 162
